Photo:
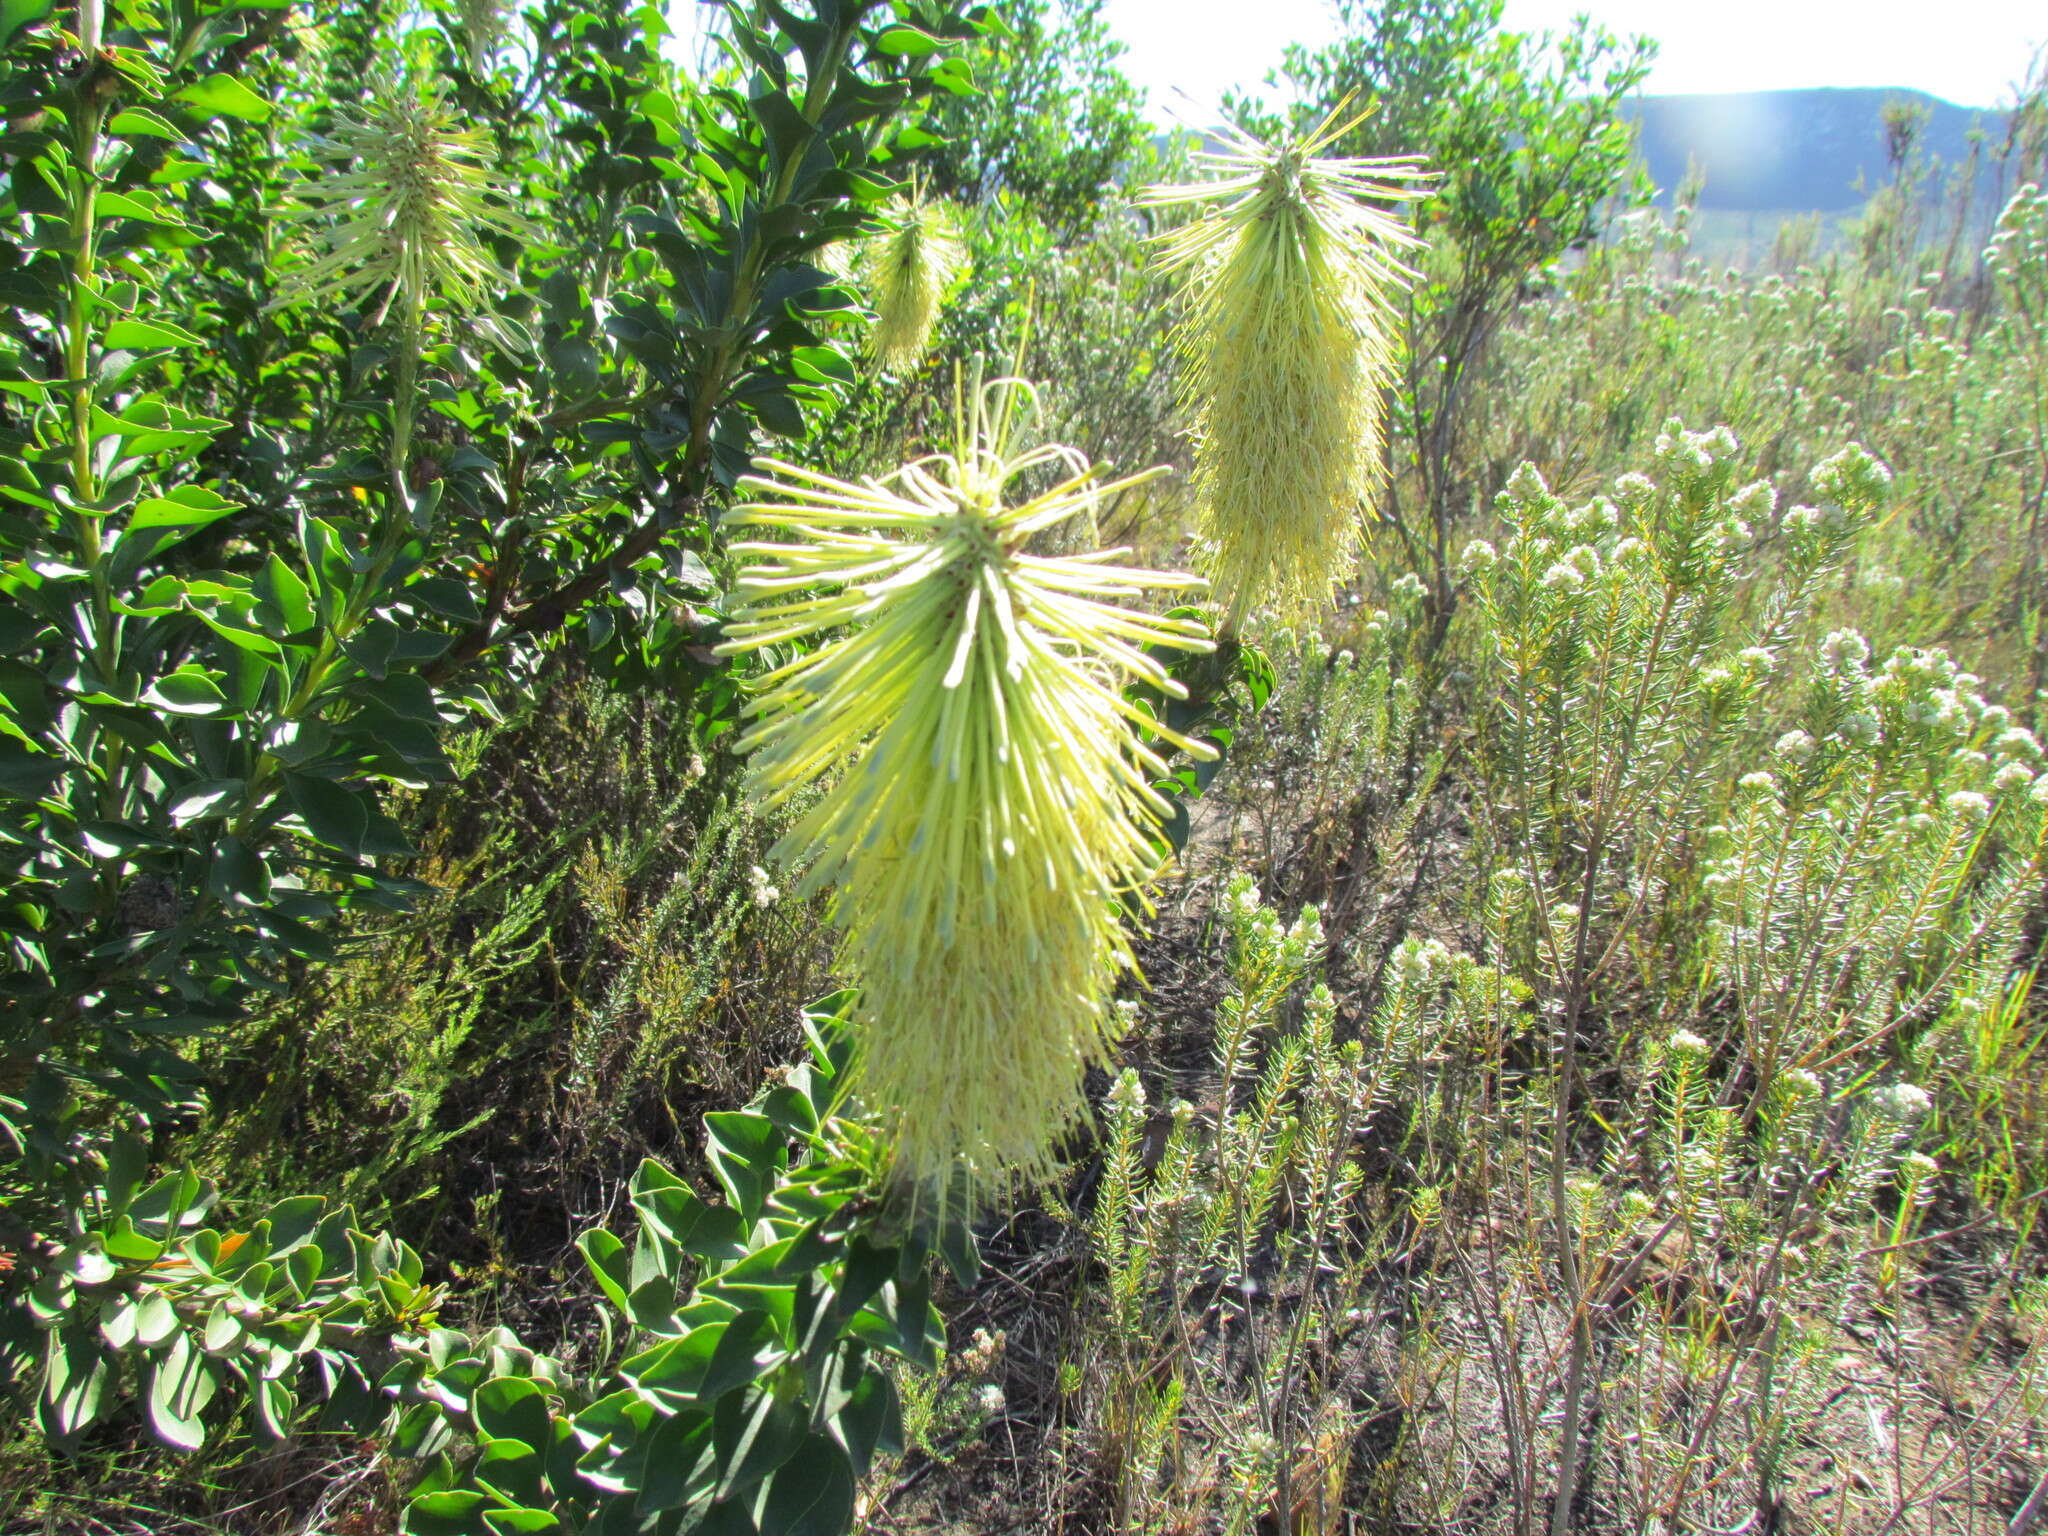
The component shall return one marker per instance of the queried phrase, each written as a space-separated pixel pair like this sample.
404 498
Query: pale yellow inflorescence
402 207
988 794
1286 344
907 267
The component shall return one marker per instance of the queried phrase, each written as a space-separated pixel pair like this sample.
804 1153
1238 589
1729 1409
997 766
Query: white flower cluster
1796 745
1902 1102
1694 452
1420 962
1127 1093
1844 650
1853 479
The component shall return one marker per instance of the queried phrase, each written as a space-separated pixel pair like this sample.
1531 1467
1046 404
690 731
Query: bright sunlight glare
1187 53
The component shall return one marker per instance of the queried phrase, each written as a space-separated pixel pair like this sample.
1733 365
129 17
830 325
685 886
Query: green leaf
456 1512
811 1494
335 815
746 1152
223 1331
521 1522
131 121
274 1404
186 506
129 1246
155 1320
747 1348
863 1420
756 1432
144 335
908 43
278 588
178 1200
201 801
676 1368
181 1384
788 129
680 1465
606 1257
188 691
16 14
74 1381
512 1408
511 1469
224 96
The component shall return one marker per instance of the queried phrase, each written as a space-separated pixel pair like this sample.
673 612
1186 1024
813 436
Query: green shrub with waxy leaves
281 510
740 1386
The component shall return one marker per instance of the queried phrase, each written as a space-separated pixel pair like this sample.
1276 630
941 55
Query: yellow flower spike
907 267
401 207
987 800
1287 343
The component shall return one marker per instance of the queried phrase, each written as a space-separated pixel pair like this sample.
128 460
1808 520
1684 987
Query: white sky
1970 52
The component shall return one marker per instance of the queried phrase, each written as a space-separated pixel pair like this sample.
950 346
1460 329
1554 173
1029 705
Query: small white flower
1478 556
1526 483
1754 502
1636 491
2017 742
1796 745
1903 1102
1758 782
1844 648
1685 1043
1968 805
1127 1092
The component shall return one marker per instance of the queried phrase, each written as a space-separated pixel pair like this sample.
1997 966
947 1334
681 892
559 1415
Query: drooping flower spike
1287 342
987 788
908 266
402 207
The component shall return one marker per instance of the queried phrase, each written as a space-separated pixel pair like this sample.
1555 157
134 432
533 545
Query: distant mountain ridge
1792 150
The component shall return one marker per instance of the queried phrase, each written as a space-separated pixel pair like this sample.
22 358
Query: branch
548 612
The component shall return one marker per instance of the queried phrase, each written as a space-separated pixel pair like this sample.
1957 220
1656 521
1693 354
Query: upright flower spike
1286 345
402 208
907 268
987 800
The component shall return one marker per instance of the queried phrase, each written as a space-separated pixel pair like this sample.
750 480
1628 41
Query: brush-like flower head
907 267
403 206
987 800
1286 345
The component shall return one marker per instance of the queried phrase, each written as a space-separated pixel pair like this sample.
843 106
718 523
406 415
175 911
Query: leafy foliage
235 630
739 1385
